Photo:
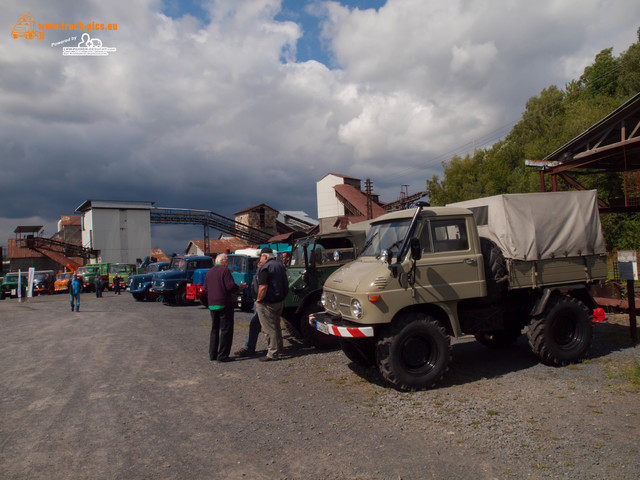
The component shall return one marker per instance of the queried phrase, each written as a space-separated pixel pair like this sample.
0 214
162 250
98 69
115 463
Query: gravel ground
125 389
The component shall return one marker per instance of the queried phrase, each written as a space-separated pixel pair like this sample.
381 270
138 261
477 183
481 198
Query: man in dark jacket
219 288
272 289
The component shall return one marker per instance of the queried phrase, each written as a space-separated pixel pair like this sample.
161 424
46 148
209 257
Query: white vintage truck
489 267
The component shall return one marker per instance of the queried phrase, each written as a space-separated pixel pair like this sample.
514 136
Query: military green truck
489 268
313 259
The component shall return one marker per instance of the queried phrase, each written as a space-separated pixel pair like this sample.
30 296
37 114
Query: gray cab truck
489 267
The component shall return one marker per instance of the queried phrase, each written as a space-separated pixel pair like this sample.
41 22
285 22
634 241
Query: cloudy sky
223 104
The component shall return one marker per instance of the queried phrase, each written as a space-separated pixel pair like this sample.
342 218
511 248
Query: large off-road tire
563 333
311 336
499 338
361 351
414 352
495 269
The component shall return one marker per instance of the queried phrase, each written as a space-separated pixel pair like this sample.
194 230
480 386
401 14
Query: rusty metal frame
604 147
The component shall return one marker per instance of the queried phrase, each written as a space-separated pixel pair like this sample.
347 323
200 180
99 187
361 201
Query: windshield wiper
368 242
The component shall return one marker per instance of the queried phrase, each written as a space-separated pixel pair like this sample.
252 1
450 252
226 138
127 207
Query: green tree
550 120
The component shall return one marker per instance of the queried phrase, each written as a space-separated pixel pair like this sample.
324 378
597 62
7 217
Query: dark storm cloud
205 114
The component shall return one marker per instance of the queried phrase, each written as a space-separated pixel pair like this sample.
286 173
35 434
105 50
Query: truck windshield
156 268
120 268
178 264
87 270
297 256
386 236
237 264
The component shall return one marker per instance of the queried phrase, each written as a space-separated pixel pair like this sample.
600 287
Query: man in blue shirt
74 292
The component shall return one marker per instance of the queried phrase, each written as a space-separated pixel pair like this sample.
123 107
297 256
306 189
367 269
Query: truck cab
43 282
172 283
11 282
244 265
62 282
313 260
140 284
87 275
122 270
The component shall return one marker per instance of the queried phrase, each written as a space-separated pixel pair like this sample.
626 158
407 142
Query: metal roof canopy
28 229
610 145
114 204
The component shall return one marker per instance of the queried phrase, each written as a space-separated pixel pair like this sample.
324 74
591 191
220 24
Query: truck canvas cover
539 226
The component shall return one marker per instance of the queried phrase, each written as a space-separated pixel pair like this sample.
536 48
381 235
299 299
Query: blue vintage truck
243 265
172 283
140 284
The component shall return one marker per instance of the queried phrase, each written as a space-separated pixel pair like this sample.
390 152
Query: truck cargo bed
556 271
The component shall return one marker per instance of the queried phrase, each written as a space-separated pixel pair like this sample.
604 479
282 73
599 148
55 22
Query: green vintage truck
489 268
313 259
9 286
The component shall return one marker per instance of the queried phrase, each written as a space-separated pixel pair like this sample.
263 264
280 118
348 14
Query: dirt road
124 389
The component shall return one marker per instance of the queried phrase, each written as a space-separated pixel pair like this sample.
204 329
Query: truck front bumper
329 325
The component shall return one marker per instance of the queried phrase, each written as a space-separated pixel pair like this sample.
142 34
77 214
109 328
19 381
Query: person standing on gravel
249 348
272 289
219 288
97 282
74 292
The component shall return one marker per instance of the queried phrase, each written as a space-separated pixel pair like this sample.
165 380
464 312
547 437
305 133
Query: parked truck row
48 282
393 291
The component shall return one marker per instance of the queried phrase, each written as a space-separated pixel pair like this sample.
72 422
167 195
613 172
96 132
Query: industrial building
119 231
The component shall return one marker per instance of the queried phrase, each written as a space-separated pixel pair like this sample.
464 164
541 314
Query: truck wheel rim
565 332
417 353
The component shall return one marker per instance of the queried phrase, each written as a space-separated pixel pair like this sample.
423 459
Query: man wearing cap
272 289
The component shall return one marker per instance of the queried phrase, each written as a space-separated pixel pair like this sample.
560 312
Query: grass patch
627 369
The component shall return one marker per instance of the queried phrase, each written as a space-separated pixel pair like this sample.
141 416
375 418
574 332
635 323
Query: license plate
14 291
322 327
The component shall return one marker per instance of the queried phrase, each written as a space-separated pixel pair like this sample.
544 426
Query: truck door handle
470 261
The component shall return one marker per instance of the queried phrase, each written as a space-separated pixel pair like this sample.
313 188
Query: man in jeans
74 292
249 348
272 289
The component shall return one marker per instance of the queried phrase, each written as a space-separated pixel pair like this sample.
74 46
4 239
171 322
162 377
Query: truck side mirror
416 249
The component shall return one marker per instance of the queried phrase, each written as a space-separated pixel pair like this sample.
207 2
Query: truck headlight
356 308
333 302
323 299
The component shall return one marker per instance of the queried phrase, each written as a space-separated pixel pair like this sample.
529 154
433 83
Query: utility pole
368 188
